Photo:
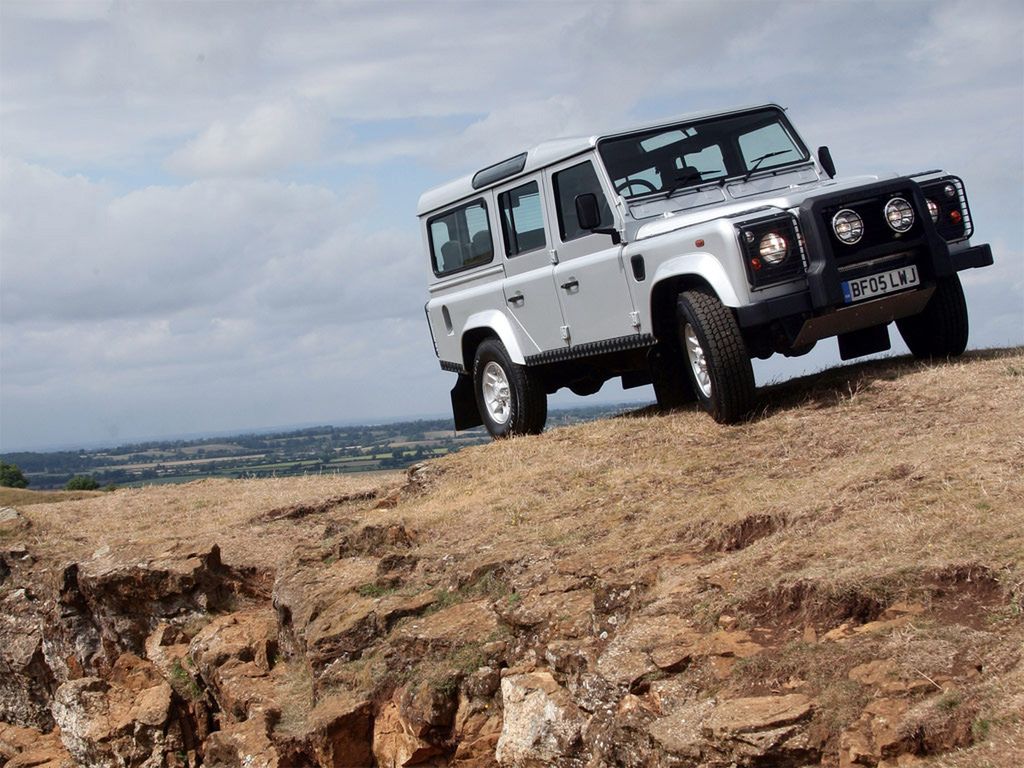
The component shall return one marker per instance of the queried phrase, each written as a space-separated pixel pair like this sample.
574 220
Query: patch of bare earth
839 581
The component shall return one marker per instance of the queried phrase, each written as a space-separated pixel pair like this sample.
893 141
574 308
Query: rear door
590 274
529 287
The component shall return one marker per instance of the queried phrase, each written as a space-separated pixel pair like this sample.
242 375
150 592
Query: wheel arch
693 271
489 324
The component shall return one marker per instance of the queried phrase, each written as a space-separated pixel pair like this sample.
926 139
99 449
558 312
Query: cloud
206 210
269 138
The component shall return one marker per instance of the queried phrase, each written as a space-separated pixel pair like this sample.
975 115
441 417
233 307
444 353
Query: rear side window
460 239
570 183
522 221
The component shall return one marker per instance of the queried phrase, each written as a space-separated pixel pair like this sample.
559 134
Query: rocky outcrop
369 643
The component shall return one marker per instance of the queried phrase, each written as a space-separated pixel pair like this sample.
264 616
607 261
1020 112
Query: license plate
880 284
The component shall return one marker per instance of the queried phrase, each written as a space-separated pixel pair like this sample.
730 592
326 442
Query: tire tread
732 378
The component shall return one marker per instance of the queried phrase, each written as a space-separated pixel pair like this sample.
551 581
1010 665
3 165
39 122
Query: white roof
548 153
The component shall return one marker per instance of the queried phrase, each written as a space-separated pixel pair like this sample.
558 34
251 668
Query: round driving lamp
848 226
949 190
773 248
933 210
899 214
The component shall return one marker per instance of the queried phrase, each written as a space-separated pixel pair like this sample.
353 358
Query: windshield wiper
764 157
680 181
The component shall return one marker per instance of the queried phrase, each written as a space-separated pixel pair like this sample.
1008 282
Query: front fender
702 265
498 322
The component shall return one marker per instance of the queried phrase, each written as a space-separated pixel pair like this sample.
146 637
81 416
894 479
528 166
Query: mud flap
866 341
464 408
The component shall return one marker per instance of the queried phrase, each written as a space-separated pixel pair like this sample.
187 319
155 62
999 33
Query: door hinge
566 336
634 318
553 253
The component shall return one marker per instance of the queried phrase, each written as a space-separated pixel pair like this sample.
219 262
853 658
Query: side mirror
588 214
825 159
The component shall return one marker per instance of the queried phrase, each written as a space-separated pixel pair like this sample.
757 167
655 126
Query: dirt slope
838 582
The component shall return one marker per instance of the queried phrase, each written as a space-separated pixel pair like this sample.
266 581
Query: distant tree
11 476
81 483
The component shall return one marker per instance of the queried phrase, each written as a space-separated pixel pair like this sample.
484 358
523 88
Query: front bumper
842 318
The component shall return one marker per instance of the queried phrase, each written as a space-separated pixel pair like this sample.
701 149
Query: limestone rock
758 730
877 734
757 713
340 732
29 748
26 681
320 612
233 655
542 726
11 522
397 742
645 643
116 723
452 627
242 745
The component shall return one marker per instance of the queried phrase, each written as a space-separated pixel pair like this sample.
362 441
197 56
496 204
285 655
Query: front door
590 274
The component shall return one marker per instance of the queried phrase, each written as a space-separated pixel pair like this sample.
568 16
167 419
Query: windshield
670 158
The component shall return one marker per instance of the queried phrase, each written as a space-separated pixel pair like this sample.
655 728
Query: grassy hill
854 554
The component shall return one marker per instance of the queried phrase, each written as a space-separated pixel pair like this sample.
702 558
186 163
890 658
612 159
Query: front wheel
716 358
510 399
940 329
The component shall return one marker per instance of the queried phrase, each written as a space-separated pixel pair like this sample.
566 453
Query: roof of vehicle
549 152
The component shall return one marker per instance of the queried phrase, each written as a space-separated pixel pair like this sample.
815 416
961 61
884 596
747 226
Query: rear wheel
940 329
716 358
510 399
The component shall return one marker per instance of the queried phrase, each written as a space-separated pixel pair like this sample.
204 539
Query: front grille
832 262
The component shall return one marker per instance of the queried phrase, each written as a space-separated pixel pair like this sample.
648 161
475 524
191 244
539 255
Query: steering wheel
628 183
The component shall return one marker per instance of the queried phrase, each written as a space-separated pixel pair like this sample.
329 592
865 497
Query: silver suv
673 253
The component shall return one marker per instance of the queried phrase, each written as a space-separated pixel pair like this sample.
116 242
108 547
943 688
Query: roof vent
499 171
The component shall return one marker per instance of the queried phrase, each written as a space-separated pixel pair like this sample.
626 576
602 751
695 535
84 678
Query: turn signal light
955 217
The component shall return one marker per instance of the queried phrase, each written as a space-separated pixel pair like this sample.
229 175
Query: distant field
312 451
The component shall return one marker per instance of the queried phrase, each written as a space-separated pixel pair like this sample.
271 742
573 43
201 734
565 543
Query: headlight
933 210
773 248
899 214
848 226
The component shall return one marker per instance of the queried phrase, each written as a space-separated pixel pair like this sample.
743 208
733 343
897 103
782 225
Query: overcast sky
207 210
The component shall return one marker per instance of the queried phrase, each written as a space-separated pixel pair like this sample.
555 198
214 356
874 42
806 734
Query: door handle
573 283
516 300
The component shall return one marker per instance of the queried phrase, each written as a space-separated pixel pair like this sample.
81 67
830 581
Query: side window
570 183
460 239
522 222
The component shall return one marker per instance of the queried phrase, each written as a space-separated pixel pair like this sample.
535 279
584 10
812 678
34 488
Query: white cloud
269 138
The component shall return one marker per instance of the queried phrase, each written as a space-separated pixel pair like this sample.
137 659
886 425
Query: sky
207 209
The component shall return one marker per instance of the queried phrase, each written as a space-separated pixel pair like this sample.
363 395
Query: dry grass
867 484
23 497
166 519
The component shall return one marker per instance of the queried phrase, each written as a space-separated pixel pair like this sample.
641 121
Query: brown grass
164 519
23 497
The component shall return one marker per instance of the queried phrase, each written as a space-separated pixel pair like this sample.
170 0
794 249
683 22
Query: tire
715 357
509 397
941 328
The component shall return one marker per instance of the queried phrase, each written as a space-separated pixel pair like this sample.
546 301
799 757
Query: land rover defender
673 253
